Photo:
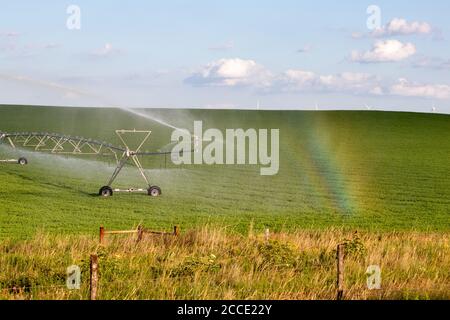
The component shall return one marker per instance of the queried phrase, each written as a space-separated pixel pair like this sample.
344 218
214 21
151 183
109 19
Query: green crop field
383 174
358 170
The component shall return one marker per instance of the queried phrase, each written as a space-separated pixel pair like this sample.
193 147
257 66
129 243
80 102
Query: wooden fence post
94 276
176 231
140 233
102 234
340 271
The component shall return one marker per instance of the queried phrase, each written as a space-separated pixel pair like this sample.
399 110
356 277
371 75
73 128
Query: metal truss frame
60 144
70 145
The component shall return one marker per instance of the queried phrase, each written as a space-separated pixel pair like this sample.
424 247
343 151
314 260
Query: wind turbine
257 105
368 108
317 106
433 108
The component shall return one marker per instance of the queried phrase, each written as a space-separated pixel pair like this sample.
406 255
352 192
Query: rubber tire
154 191
22 161
105 192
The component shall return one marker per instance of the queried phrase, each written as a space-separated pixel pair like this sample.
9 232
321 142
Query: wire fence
120 283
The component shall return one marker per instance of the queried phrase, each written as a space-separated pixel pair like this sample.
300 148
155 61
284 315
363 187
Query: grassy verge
215 263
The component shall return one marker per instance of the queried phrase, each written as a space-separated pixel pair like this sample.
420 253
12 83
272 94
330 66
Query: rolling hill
365 170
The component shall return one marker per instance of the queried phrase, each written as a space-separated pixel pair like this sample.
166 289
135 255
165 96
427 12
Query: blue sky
227 54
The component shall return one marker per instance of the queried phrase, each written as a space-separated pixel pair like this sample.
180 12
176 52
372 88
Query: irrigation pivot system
68 145
59 144
128 154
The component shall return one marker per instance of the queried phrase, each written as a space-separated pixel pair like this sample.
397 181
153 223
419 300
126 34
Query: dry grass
211 263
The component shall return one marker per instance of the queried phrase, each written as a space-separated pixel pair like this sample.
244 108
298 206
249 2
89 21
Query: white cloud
238 72
230 73
305 49
223 46
406 88
9 34
398 26
431 63
385 51
377 91
357 35
106 51
299 80
15 50
51 45
359 83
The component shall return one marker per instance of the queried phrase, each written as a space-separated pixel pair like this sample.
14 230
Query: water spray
104 101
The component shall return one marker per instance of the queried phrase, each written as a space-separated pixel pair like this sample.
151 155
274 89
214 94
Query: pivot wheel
22 161
154 191
105 191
